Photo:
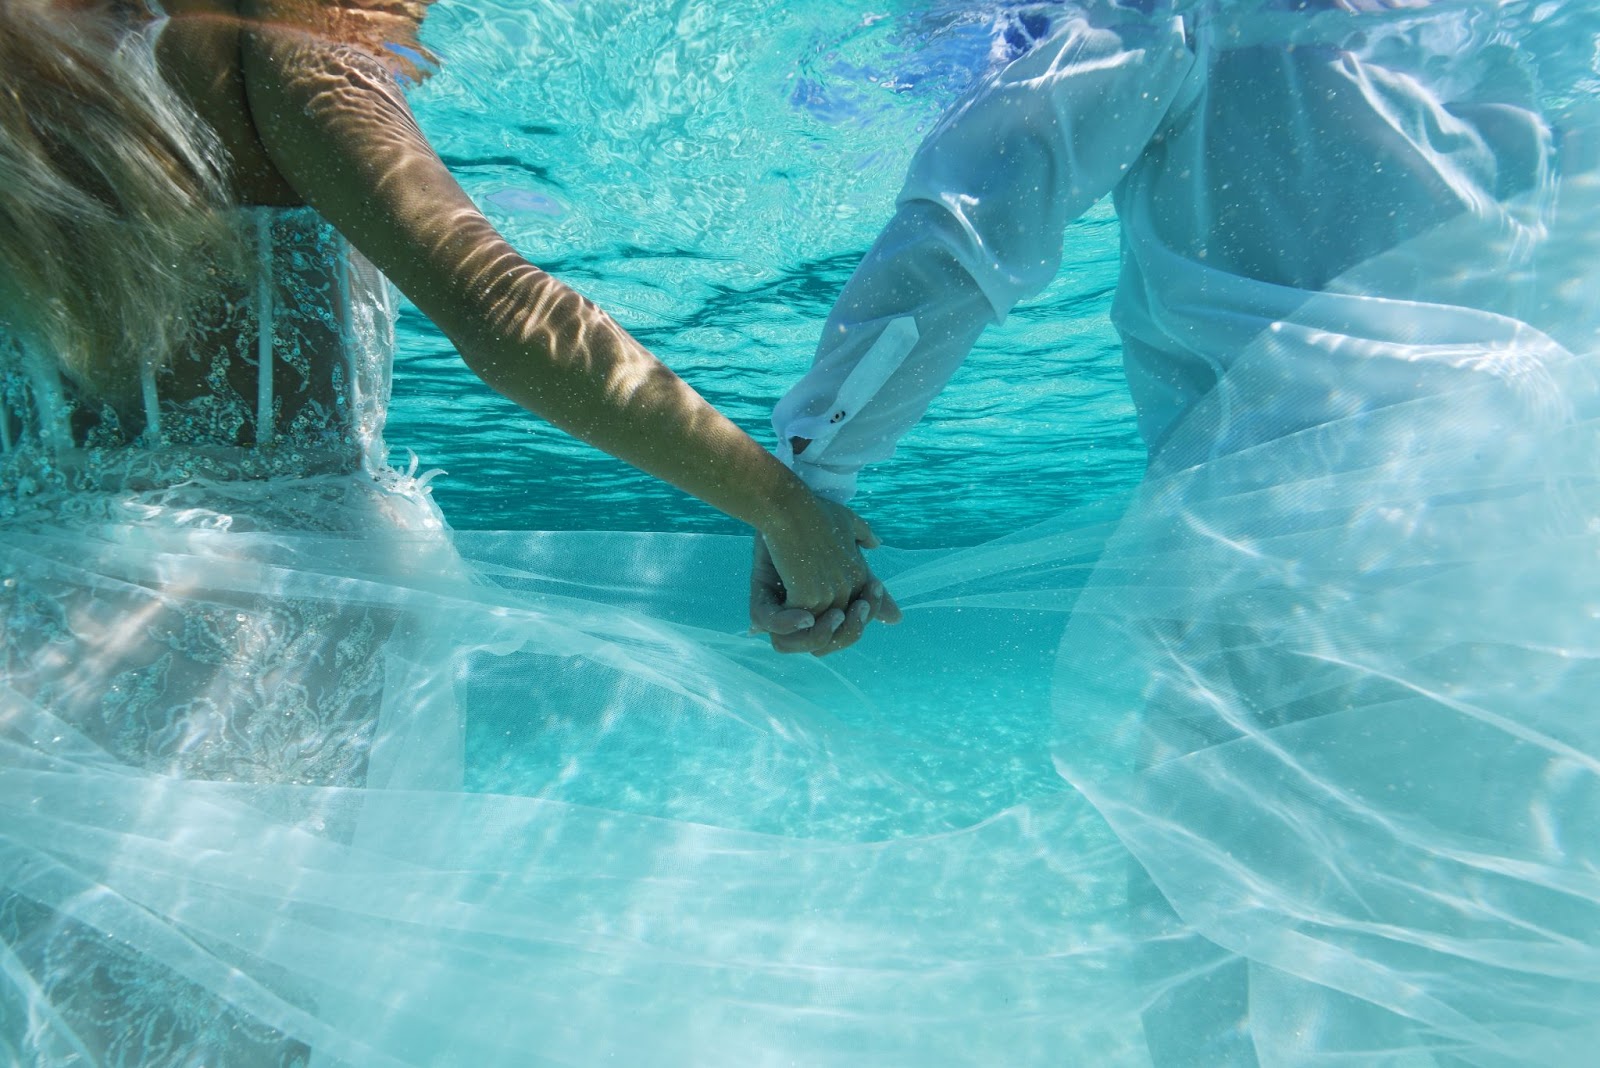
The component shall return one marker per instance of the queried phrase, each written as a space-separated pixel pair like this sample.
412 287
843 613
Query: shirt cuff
834 486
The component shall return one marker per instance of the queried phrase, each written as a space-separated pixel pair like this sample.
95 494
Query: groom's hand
797 630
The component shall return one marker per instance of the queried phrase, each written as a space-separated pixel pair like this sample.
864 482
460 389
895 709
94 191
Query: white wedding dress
290 773
240 657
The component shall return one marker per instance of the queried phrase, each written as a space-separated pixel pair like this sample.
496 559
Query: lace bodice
286 374
201 667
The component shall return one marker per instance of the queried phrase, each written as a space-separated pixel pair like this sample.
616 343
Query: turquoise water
1329 695
711 173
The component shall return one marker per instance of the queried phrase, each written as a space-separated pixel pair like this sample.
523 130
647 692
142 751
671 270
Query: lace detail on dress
318 313
142 609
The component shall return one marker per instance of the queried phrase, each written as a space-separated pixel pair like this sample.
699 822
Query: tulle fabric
1291 758
1334 688
1363 753
718 859
1332 691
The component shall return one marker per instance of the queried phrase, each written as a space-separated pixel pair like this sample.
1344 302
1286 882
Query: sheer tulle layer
718 857
1291 757
1332 691
1335 691
503 930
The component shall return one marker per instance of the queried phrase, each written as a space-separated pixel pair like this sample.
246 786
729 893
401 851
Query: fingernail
808 621
876 589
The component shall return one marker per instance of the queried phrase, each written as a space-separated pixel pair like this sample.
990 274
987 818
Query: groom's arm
979 227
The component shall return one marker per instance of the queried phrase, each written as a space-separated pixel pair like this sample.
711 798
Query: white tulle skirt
1292 757
371 793
1336 688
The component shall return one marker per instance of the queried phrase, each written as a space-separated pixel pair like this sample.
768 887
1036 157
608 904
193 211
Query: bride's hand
810 589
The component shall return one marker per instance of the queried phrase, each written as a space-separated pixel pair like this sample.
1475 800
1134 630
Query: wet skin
307 117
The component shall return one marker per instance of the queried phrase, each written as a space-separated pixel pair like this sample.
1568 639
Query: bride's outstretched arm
339 130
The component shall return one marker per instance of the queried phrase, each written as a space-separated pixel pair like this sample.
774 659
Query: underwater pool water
712 173
1278 753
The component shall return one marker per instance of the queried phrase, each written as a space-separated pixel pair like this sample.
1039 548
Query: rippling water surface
711 173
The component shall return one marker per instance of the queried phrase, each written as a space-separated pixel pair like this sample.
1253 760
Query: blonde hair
111 195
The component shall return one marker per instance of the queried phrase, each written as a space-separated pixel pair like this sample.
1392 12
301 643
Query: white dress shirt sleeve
980 226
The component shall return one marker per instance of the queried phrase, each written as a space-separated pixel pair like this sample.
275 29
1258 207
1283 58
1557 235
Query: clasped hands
794 624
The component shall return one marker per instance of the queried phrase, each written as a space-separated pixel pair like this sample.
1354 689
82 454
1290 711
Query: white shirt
1256 160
